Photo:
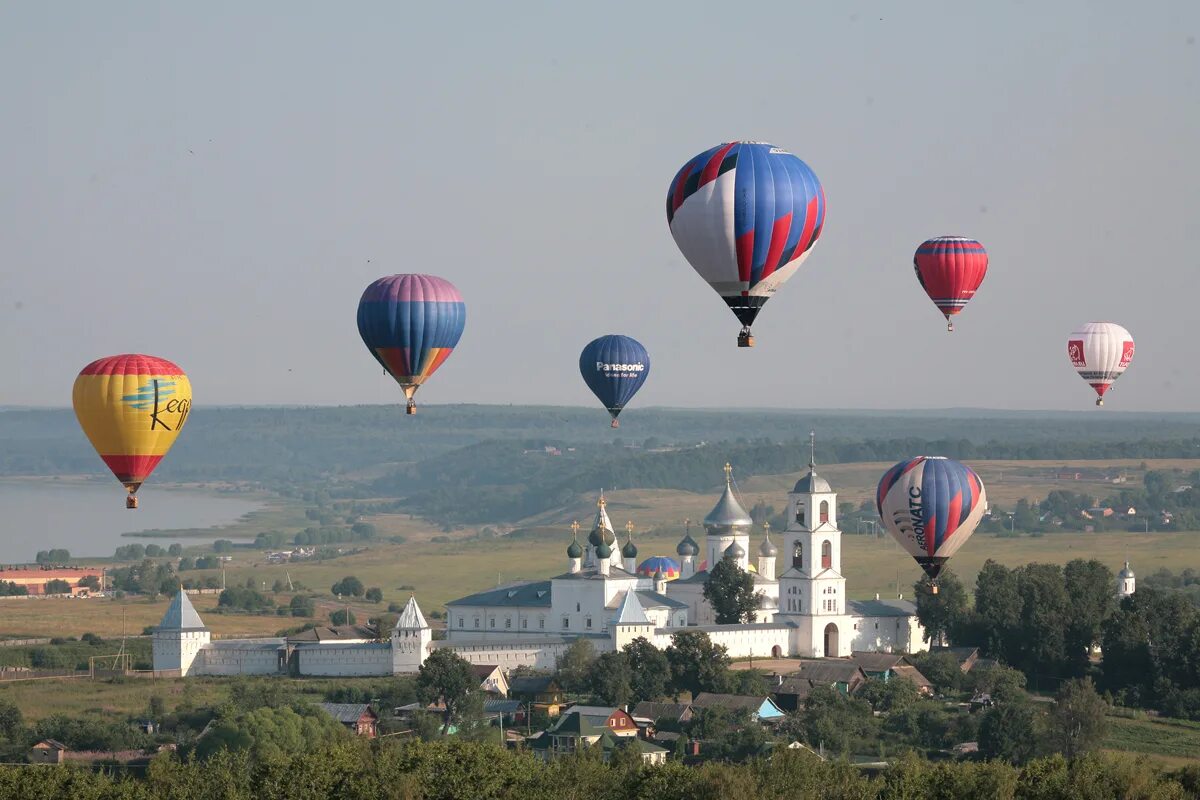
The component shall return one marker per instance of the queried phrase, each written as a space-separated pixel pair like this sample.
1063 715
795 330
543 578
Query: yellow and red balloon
132 407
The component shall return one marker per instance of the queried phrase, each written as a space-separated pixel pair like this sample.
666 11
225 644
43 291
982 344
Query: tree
941 668
271 733
1005 684
155 551
610 679
235 598
1089 591
574 665
890 696
57 586
1077 721
943 612
1041 646
175 550
90 582
650 670
446 679
374 594
222 546
998 608
302 606
11 721
349 586
186 563
697 665
1009 733
341 616
730 592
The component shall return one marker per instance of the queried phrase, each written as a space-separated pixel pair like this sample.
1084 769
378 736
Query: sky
216 183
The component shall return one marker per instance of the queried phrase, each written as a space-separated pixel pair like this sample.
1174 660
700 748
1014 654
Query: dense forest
464 770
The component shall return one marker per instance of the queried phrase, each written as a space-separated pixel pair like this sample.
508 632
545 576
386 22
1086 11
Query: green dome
603 550
574 550
629 550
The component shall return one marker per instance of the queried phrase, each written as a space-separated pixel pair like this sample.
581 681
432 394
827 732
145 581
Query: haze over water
88 519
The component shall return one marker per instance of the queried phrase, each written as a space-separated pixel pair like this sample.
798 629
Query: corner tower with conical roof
727 525
179 637
411 639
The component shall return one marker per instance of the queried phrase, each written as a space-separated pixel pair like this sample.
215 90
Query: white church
803 607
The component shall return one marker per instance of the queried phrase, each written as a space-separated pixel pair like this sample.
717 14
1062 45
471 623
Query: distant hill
462 463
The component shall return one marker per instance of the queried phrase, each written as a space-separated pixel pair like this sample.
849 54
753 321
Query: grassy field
39 699
439 572
1173 742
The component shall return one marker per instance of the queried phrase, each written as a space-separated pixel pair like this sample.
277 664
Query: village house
357 717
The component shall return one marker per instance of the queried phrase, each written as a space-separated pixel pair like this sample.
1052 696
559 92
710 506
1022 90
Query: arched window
826 554
800 513
824 511
798 555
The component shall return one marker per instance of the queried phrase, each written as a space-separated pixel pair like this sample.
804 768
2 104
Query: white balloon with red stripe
1100 352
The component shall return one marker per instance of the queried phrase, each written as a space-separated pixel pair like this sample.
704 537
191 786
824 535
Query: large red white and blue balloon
931 505
950 270
745 215
1100 352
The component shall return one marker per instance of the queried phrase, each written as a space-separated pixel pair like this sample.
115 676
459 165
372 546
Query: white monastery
803 607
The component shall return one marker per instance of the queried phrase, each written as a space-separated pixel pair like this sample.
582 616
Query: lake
89 518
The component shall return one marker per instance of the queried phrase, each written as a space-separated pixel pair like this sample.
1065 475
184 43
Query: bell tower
811 582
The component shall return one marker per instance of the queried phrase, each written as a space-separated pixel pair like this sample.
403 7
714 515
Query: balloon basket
410 409
745 339
131 502
933 589
1099 401
616 424
950 326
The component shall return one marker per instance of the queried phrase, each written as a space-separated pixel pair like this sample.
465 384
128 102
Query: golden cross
767 526
629 527
728 472
687 527
575 529
601 502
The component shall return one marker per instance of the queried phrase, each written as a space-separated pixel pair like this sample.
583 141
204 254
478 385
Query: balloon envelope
668 566
131 407
411 323
1100 352
931 506
614 367
950 270
745 215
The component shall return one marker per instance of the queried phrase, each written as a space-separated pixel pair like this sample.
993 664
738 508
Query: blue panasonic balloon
614 367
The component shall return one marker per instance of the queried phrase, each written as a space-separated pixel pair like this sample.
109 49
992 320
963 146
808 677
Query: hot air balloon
931 506
745 215
614 367
411 323
131 407
1100 352
950 269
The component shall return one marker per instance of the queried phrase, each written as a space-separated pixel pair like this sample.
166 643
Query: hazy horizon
217 184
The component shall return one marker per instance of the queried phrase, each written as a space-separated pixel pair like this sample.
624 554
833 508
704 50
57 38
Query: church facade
803 608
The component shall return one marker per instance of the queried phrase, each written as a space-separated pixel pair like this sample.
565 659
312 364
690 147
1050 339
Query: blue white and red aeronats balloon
950 270
745 215
411 324
1100 352
931 505
614 367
